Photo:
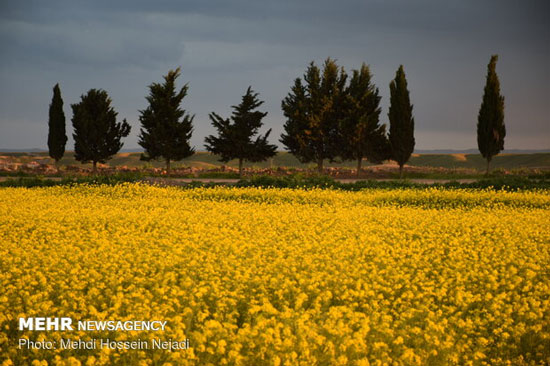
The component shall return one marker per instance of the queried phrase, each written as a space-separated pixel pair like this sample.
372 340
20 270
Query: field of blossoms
280 277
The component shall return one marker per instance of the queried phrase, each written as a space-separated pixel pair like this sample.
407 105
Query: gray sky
225 46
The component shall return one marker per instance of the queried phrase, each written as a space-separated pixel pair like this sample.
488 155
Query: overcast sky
225 46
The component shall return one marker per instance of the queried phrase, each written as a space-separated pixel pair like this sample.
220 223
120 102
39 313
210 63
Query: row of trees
166 128
97 135
328 117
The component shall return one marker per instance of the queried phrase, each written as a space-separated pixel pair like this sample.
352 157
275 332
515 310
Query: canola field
278 276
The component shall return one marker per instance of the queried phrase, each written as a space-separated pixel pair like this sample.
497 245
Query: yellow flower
278 276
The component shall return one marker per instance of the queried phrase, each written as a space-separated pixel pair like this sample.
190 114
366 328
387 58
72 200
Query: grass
38 181
219 175
508 183
204 160
18 173
476 161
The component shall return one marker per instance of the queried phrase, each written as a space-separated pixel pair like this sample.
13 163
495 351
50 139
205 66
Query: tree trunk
168 167
400 171
488 162
240 168
320 165
57 165
359 161
94 167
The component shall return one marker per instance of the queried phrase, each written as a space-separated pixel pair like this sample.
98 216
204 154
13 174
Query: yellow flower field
278 276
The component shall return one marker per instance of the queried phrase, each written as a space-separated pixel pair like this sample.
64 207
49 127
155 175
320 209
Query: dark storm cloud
224 46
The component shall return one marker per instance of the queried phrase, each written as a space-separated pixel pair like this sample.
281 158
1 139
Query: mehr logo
45 324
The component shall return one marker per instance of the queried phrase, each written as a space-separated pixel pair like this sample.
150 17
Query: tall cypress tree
235 135
313 111
401 120
166 128
96 134
362 135
57 137
490 121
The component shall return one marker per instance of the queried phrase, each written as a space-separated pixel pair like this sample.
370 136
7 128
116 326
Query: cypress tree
362 135
490 121
57 137
235 135
96 134
166 128
313 111
401 120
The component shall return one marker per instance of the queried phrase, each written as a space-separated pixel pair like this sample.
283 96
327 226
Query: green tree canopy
57 137
313 110
401 120
166 128
490 121
97 134
361 133
235 138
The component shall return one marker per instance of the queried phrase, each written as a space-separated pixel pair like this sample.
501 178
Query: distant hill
476 151
23 150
